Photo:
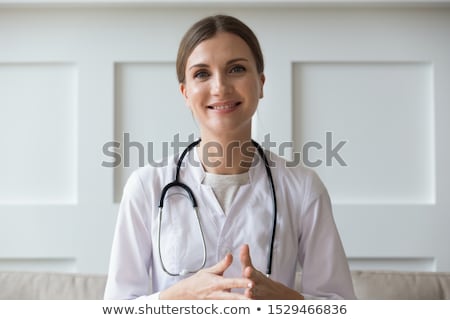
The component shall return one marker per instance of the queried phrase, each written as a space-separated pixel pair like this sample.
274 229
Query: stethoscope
177 183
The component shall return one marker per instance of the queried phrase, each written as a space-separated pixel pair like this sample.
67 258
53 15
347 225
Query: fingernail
250 285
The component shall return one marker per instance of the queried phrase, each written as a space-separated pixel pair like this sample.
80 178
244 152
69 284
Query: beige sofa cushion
394 285
51 286
388 285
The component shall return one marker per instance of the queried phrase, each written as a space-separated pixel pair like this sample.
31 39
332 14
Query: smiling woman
239 242
222 87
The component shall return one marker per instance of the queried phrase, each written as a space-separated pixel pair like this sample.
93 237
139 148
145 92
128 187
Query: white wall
73 78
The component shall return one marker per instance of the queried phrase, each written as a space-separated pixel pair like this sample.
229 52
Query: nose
220 85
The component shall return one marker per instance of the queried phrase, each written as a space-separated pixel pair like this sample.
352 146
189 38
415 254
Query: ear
262 79
184 92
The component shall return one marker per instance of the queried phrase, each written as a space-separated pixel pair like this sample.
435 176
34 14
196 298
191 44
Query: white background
74 77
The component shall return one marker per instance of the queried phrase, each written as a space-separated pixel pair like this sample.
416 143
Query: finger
249 293
221 266
224 295
249 272
244 255
234 283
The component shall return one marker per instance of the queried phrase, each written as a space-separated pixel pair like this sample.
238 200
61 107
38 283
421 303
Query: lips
223 106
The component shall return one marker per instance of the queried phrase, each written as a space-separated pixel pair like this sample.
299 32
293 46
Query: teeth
222 107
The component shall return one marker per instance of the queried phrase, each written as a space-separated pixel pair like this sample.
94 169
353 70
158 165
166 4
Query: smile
227 106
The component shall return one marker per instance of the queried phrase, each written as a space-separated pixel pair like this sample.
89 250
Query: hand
263 287
208 283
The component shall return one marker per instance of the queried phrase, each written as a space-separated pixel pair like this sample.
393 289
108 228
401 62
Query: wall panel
38 124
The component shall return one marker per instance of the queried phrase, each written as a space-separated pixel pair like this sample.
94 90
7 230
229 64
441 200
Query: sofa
369 285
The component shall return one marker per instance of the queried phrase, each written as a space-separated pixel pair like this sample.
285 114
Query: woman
254 215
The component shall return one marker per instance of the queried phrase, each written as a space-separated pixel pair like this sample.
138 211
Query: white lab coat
306 233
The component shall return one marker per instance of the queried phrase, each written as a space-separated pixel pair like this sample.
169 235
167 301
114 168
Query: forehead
223 45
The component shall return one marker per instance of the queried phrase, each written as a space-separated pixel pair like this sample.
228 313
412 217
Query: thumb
246 261
220 267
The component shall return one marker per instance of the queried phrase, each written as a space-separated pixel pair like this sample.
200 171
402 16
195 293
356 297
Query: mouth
224 106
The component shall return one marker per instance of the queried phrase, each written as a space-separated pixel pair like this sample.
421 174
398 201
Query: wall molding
222 3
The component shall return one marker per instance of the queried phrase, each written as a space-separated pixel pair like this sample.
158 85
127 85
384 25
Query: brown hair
207 28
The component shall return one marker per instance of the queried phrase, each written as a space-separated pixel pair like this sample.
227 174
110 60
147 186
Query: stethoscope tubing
177 183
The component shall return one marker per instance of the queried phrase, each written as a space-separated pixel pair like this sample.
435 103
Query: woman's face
223 86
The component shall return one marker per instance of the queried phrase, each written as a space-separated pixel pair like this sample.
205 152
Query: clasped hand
209 283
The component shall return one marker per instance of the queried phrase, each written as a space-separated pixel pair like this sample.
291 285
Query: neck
226 155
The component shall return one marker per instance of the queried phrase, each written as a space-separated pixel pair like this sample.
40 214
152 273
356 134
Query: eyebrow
204 65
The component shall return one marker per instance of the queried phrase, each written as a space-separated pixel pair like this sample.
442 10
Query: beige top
225 186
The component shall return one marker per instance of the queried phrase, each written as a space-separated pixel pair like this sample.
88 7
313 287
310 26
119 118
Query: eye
201 74
237 69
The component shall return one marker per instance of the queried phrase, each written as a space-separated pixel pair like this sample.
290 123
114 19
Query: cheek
255 88
195 93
